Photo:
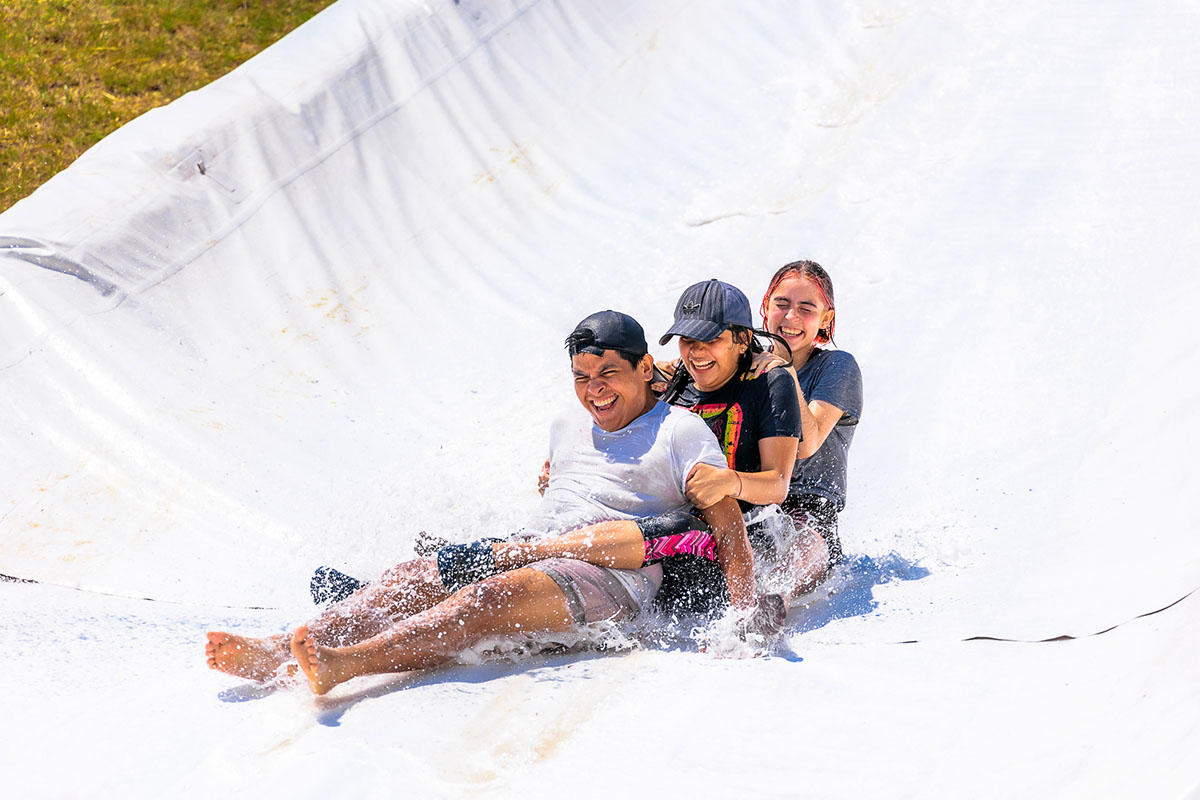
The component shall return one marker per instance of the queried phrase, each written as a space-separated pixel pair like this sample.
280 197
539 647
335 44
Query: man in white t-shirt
614 513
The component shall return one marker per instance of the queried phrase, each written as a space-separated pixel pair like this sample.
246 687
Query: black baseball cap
608 330
708 309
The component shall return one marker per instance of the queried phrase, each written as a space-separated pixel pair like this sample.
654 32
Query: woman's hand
544 478
765 362
708 485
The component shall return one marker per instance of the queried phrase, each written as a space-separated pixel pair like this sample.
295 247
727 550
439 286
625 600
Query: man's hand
544 478
766 620
707 485
746 632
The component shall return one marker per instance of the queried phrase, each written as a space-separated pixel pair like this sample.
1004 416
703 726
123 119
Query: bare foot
246 657
313 660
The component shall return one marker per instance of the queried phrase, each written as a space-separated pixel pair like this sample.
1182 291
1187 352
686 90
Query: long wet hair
815 273
741 335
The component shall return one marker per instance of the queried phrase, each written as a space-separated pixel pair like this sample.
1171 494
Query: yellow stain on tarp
518 154
338 305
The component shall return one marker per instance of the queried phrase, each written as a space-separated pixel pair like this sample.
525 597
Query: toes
300 647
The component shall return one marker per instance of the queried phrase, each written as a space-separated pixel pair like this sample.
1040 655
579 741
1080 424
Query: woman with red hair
798 308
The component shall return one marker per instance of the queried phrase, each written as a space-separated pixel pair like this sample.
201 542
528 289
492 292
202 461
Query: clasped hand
708 485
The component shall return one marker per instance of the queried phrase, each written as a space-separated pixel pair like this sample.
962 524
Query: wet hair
815 273
741 335
583 340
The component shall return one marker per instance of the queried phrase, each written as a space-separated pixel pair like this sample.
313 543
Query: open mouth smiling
790 331
605 404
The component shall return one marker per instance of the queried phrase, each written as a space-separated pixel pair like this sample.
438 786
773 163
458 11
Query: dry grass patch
72 71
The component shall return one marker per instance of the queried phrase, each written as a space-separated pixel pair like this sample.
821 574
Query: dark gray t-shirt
831 376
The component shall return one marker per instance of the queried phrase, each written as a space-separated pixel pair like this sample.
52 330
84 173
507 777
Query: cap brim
699 329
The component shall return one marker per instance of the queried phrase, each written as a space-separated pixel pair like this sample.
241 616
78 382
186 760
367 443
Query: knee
810 544
491 593
810 555
418 569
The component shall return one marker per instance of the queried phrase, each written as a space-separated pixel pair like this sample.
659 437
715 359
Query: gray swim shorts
597 593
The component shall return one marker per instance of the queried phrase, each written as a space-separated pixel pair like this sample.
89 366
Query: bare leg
520 602
245 657
805 566
618 544
403 590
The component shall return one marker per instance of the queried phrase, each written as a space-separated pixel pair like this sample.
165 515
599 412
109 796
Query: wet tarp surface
318 306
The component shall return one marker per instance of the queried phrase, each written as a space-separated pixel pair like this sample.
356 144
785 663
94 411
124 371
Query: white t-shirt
638 471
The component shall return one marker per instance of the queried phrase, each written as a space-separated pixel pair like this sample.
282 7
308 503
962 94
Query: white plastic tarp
299 315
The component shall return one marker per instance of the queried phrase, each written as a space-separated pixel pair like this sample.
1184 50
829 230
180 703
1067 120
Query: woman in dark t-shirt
756 419
798 309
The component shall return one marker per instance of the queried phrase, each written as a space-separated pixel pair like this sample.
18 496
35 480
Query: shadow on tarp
850 590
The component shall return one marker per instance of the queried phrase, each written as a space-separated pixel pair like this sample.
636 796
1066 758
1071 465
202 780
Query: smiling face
795 312
612 390
711 364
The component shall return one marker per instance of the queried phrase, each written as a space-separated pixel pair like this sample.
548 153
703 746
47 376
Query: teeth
704 365
603 404
790 331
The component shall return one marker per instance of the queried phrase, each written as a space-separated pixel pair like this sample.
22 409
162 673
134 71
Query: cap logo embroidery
691 308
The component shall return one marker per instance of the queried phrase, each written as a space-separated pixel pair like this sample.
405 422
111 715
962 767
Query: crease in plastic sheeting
207 167
44 255
262 193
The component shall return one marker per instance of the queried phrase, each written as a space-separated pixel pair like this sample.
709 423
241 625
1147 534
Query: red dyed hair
815 273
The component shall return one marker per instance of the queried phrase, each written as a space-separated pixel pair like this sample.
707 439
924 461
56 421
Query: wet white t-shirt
638 471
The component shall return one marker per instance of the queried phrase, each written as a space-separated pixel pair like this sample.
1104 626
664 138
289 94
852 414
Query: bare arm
816 420
706 484
724 518
620 544
764 362
615 543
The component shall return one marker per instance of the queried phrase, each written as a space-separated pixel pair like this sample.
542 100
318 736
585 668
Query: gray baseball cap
708 309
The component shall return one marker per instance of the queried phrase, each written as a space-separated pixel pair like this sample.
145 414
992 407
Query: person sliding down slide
758 419
798 308
618 490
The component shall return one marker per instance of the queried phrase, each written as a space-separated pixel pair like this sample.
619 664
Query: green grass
72 71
